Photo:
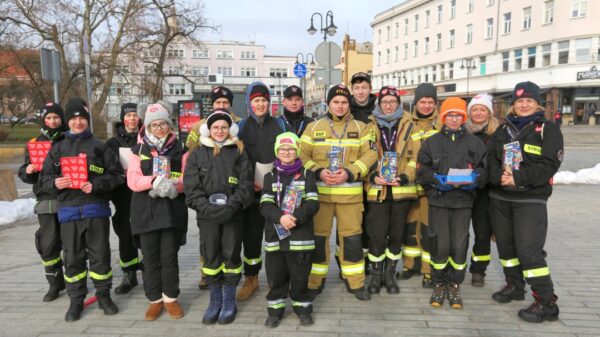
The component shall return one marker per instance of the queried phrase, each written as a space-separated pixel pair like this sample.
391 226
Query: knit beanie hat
527 90
221 92
260 90
287 138
76 107
156 112
218 115
52 107
425 90
388 90
127 108
482 99
455 105
338 90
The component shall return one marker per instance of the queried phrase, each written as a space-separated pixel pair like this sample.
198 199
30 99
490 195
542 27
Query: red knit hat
455 105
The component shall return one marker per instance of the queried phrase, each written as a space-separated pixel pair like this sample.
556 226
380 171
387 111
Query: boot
249 287
154 310
229 308
454 298
128 281
202 284
390 281
75 309
540 310
211 315
57 284
376 277
173 309
438 295
306 319
367 266
427 282
407 274
272 321
106 303
509 293
361 294
478 280
314 292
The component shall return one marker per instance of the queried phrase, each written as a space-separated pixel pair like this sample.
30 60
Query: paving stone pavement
572 247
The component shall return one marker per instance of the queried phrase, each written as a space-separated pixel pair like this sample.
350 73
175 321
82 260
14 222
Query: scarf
521 122
157 143
288 170
390 120
476 128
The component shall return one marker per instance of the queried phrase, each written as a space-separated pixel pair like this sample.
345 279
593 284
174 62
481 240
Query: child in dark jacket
289 231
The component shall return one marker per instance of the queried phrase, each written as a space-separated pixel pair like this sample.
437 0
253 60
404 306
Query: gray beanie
156 112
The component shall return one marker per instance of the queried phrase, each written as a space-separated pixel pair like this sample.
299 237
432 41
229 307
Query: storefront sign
592 74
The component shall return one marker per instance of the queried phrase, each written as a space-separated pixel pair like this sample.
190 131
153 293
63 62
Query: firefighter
83 212
47 237
340 150
288 257
521 186
293 110
419 125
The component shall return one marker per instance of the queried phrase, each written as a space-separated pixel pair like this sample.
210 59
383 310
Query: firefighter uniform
344 201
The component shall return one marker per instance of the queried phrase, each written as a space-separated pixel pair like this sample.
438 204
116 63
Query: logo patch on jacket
352 134
533 149
96 169
320 134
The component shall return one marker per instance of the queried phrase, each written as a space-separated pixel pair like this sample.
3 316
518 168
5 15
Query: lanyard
388 145
300 127
335 133
280 187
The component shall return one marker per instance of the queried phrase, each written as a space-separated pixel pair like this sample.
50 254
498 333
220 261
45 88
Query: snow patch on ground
20 209
583 176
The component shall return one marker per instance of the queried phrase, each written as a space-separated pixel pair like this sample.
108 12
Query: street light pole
329 28
468 63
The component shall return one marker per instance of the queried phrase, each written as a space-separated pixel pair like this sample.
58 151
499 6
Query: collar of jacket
209 142
453 134
336 119
294 116
370 105
122 131
84 135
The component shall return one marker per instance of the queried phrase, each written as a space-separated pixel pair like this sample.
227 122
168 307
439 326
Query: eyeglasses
161 125
286 150
389 102
453 116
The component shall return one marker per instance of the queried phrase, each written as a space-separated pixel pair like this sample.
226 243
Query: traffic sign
300 70
328 54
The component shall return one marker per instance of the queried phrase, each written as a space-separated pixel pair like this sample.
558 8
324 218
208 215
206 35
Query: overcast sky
281 25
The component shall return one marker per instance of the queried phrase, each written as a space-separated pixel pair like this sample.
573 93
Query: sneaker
438 295
454 298
478 280
509 293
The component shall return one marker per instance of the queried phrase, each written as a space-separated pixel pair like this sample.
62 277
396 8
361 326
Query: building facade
468 46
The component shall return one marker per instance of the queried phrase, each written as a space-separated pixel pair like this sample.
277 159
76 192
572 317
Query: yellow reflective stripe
337 142
267 198
319 269
373 191
369 138
193 137
422 134
211 271
144 157
391 255
374 258
457 266
100 277
353 269
510 263
237 270
533 149
97 169
411 251
306 139
271 246
404 189
310 164
544 271
363 167
430 133
478 258
232 180
438 266
129 263
425 257
76 277
277 304
301 304
51 262
305 247
412 163
342 189
252 261
176 175
420 188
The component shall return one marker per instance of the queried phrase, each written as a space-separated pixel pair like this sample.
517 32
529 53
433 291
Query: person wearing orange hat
451 195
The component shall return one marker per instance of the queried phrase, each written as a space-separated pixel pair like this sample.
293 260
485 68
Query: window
405 51
598 51
442 72
378 58
578 8
469 34
151 52
438 42
427 18
397 31
452 9
176 89
416 49
470 6
387 56
505 60
405 26
175 53
490 2
387 33
531 57
439 14
248 55
451 39
396 54
583 48
450 70
482 65
200 53
225 71
379 36
546 53
122 69
176 70
200 71
433 73
426 45
489 28
416 22
278 72
518 59
563 52
507 21
526 18
548 11
248 72
225 54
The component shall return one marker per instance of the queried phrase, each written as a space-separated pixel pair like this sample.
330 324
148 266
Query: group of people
400 186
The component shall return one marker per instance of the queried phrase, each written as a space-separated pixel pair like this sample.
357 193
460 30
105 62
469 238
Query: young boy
289 248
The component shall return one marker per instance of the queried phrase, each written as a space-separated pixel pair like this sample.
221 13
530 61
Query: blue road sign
300 70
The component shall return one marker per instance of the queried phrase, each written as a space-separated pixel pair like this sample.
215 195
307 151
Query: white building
469 46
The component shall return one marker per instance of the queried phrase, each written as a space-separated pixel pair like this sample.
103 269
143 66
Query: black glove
224 214
403 179
210 210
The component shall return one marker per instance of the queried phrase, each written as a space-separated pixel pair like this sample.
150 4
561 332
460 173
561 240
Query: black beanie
219 115
76 107
425 90
260 90
338 90
527 90
52 107
127 108
221 92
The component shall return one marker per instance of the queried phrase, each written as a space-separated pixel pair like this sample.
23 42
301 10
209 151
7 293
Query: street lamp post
328 29
469 64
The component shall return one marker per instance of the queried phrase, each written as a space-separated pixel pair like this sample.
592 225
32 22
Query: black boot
508 293
361 294
106 303
56 281
211 315
438 295
272 321
75 309
540 310
478 279
376 277
367 267
128 281
389 276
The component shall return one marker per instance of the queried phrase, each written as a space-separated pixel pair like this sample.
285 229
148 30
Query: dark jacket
229 173
541 145
33 178
121 196
295 122
363 113
443 151
302 236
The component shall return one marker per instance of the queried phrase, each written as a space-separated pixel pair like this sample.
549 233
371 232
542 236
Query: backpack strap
241 125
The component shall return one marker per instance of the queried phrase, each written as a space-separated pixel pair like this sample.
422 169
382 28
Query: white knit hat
156 112
482 99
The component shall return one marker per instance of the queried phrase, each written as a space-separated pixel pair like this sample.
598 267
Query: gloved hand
157 181
442 184
210 210
224 214
472 186
403 179
172 193
153 193
164 188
